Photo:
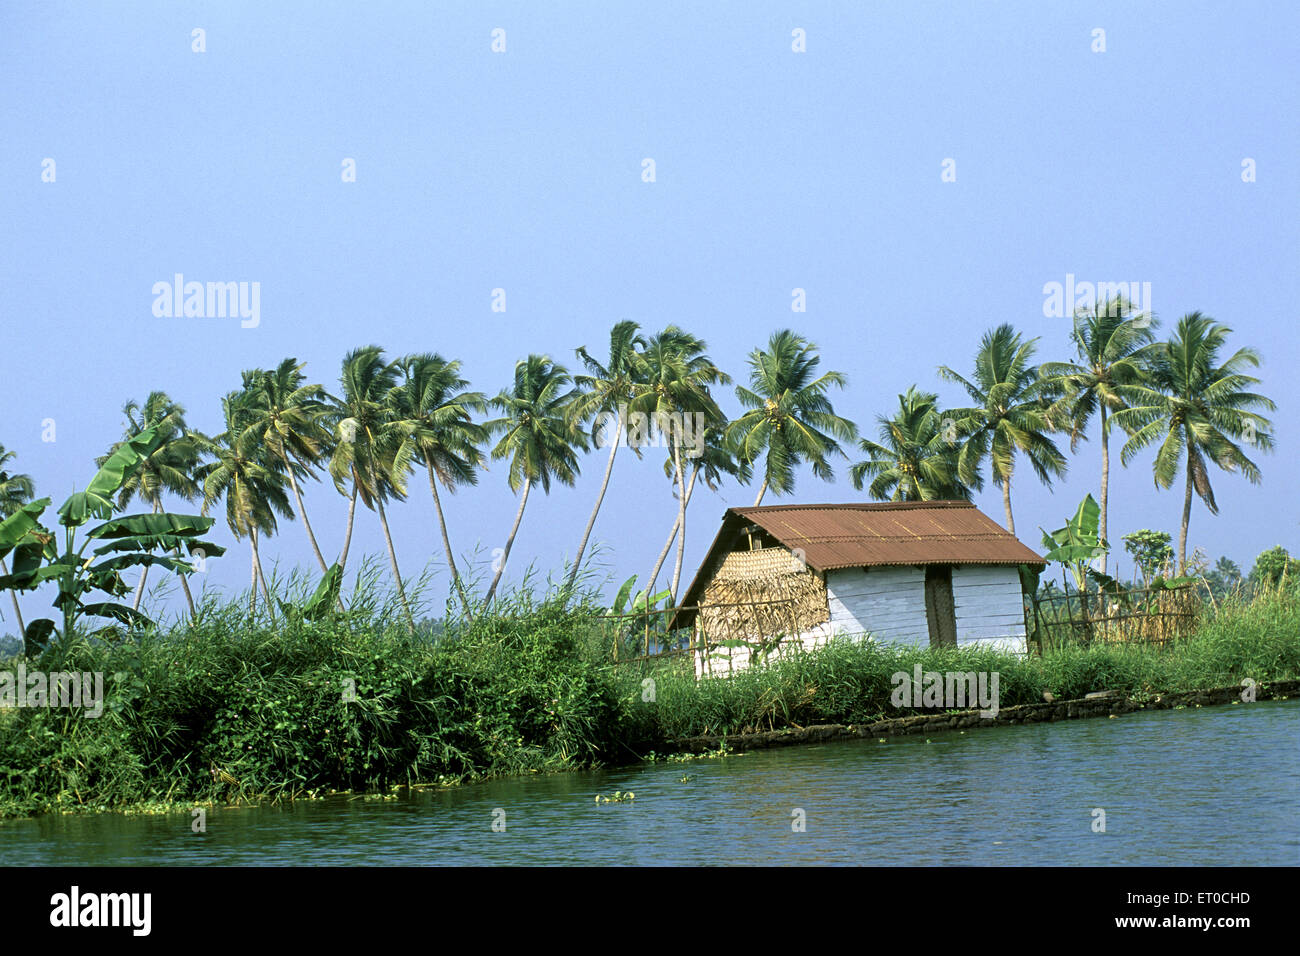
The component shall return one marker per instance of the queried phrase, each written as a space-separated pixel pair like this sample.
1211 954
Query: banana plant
320 606
1076 547
122 542
643 612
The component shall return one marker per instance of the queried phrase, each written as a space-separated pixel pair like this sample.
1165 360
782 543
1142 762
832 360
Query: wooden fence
1141 615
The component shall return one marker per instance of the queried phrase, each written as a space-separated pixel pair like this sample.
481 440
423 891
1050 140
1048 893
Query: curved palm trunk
446 541
302 510
1105 479
1187 519
392 560
13 596
761 492
185 586
505 556
672 536
257 568
347 537
144 572
1006 503
591 522
681 515
252 587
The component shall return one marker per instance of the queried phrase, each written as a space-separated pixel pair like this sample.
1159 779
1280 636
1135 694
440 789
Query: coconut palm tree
372 453
607 390
790 418
916 457
445 439
1199 408
676 373
538 436
241 471
1112 346
290 419
1010 415
15 491
170 468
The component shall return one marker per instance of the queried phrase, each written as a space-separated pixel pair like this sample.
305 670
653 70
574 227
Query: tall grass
231 706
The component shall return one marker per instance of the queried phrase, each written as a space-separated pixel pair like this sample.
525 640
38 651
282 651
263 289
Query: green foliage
223 708
1078 544
128 541
1273 564
227 708
1152 551
916 457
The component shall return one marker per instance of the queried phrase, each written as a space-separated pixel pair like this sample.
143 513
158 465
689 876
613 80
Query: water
1213 786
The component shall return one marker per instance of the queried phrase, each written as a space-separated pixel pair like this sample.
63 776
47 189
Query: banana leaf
161 542
37 636
119 612
123 561
150 525
22 524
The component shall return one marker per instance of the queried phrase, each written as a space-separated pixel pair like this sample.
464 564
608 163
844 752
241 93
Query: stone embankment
1101 704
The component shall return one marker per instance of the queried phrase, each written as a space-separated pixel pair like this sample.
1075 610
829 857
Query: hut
922 573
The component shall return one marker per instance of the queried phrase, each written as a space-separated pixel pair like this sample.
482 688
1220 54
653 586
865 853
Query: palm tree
718 459
676 374
373 452
916 457
171 467
1010 415
789 415
289 419
1198 407
446 440
539 437
15 491
1112 347
242 472
608 389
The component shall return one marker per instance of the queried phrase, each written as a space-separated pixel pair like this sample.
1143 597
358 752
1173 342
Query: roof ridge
859 506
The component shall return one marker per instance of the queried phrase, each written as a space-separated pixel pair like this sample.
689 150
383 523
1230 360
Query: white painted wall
889 604
990 609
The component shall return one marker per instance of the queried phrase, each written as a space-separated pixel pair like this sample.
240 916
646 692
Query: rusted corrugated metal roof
863 535
872 535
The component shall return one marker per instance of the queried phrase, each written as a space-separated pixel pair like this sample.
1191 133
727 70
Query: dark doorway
940 610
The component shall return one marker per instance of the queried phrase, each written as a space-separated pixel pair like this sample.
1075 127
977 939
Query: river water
1211 786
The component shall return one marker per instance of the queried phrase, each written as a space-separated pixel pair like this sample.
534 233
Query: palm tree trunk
1105 478
591 522
681 515
1187 518
144 570
302 510
257 565
505 556
252 588
446 541
761 492
392 560
347 537
1006 503
13 596
672 536
185 586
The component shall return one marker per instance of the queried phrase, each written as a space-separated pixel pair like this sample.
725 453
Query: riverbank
1099 704
1171 783
222 710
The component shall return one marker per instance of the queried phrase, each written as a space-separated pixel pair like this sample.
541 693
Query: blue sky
522 171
